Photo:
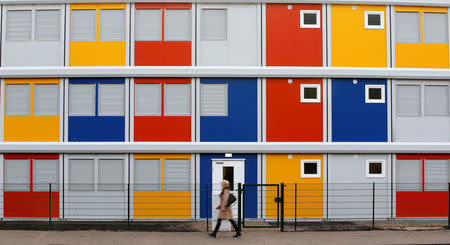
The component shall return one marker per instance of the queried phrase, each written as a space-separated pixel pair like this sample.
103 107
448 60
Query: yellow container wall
162 204
97 53
351 44
32 128
280 168
421 55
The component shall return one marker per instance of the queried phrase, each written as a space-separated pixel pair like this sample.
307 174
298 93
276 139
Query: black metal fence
258 206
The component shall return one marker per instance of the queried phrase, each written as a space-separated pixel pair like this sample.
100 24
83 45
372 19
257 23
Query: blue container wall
354 120
96 128
241 124
251 177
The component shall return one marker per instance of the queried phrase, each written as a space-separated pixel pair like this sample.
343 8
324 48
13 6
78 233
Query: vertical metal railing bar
243 205
282 208
128 205
373 205
207 207
49 206
239 206
295 211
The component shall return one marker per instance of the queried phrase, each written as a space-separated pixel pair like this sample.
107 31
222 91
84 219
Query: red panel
162 53
287 118
287 43
422 203
423 156
164 128
31 156
163 5
30 204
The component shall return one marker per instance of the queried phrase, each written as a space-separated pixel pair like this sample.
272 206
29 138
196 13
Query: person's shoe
237 234
212 234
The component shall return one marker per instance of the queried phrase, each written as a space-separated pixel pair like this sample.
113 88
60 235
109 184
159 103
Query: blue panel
353 120
241 124
96 128
251 177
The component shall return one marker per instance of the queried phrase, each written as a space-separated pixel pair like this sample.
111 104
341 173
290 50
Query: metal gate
271 206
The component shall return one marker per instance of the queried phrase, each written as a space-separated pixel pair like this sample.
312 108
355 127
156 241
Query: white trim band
223 147
223 71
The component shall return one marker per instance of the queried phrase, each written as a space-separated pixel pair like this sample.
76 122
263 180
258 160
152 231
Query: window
436 175
309 18
111 175
83 25
310 168
112 25
177 25
214 99
45 99
177 99
213 24
82 100
147 99
148 25
177 175
45 171
407 27
374 19
47 25
310 93
17 174
436 100
375 94
18 25
111 100
81 174
435 28
147 174
17 100
408 100
375 169
409 172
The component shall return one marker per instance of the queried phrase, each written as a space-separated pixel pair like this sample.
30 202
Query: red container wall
286 43
288 119
422 203
162 53
162 128
22 204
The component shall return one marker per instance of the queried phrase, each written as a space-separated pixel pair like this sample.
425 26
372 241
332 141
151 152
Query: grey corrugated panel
223 147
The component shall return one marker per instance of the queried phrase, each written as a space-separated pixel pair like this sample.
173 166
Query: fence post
373 205
207 207
128 205
239 206
282 208
49 206
295 217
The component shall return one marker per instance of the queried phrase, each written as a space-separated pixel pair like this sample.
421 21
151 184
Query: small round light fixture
289 81
290 156
289 7
354 7
355 81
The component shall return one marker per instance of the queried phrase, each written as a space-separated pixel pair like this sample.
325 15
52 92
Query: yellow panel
425 55
97 6
97 53
162 205
424 9
153 156
280 168
351 44
34 80
31 128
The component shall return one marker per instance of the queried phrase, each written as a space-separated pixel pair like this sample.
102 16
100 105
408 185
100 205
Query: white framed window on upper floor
375 93
310 93
18 25
213 24
17 99
81 99
373 19
177 24
112 25
435 28
214 99
147 99
46 99
111 99
310 168
309 18
148 25
407 27
375 168
177 99
83 25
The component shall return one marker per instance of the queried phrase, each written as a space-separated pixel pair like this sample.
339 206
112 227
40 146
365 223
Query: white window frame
383 91
303 25
302 94
366 20
383 169
302 168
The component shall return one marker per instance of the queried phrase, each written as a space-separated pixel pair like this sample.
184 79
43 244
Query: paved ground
191 238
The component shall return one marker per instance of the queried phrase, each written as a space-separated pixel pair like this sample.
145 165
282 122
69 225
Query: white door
233 171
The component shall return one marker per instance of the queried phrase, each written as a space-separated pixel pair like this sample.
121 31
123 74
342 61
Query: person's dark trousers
219 222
